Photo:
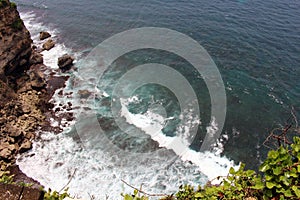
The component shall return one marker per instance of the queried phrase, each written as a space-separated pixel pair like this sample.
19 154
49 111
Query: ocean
255 46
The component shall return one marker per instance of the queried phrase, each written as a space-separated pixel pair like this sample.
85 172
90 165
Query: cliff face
15 42
22 86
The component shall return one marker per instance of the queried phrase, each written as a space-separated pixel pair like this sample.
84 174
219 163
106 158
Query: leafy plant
6 179
282 172
54 195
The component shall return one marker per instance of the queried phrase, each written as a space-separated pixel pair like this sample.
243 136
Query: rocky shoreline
26 87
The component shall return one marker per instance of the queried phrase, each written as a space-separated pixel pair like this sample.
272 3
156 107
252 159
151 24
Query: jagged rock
44 35
25 146
36 58
37 79
65 62
48 45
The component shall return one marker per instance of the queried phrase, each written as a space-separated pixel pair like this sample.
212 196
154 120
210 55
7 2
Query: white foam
209 163
56 159
32 23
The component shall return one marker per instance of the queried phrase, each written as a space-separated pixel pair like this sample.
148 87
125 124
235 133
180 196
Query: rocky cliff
15 42
22 86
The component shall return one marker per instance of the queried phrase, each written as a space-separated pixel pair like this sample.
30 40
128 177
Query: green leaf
264 167
250 173
277 171
273 154
296 190
232 171
128 197
258 186
270 185
288 193
268 177
199 195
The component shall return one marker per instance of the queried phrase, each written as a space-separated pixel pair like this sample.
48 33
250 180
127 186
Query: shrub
17 24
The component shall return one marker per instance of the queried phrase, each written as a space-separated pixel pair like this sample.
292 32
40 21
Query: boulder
48 45
44 35
65 62
36 58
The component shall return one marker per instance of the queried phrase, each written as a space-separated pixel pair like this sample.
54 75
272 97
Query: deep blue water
255 44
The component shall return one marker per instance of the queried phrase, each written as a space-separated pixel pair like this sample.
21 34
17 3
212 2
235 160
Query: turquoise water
255 44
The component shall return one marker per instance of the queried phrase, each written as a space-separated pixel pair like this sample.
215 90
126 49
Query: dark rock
31 194
65 62
48 45
60 93
44 35
54 83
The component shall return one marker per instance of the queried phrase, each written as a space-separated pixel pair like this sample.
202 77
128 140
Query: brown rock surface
15 42
16 192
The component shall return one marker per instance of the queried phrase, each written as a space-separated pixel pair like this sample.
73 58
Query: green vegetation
56 195
13 5
6 179
17 24
280 180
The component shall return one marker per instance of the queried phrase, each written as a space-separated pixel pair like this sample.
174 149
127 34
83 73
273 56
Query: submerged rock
48 45
65 62
44 35
84 94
